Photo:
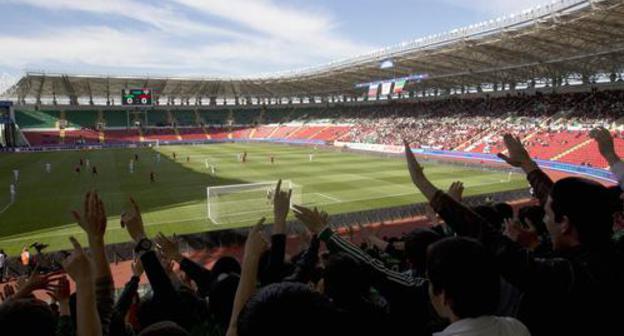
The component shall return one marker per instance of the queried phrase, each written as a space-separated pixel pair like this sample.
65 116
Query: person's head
222 292
533 217
287 309
27 317
164 328
491 215
463 279
416 244
225 265
344 278
579 211
504 210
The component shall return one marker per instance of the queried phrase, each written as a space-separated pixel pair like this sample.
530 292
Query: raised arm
390 282
517 265
281 206
605 145
199 274
519 158
160 282
80 268
93 222
255 245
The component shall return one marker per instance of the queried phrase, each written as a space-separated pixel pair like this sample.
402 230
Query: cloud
165 18
259 37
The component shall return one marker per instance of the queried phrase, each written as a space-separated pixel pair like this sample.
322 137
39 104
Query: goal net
242 203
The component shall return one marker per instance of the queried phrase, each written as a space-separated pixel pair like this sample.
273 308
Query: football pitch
177 201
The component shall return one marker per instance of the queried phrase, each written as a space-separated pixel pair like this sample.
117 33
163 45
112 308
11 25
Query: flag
372 90
385 88
398 86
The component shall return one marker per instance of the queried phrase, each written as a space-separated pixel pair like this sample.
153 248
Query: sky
204 38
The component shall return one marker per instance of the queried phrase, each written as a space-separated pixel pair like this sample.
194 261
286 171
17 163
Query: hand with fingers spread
256 243
61 294
518 155
78 265
35 282
313 219
93 218
169 247
281 205
456 191
133 222
9 291
605 144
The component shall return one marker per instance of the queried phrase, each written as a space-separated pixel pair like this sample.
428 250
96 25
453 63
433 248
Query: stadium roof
564 38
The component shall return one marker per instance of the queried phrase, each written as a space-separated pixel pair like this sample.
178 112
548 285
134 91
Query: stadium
202 155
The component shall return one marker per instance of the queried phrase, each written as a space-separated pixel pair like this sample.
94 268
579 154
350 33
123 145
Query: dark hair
491 215
416 244
466 272
504 210
345 278
287 309
535 214
222 292
27 317
225 264
164 328
587 205
189 311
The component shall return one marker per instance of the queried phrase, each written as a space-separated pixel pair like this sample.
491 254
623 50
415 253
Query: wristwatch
143 245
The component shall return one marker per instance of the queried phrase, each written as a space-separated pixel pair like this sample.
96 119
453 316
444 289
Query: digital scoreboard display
136 97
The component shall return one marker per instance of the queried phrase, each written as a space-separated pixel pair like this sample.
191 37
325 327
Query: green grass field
338 182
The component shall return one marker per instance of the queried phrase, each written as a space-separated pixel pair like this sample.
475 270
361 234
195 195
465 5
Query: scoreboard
136 97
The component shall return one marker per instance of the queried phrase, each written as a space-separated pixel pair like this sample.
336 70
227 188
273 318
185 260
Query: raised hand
518 155
256 243
169 247
281 205
314 219
456 191
62 292
605 144
93 219
133 222
415 169
9 291
416 173
78 265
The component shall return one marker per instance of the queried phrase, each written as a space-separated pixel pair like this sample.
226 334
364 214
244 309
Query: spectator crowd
553 268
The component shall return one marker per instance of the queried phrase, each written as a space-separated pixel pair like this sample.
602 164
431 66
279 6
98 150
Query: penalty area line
329 197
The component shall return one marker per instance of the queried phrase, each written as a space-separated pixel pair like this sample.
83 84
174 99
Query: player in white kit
12 191
48 167
15 174
131 166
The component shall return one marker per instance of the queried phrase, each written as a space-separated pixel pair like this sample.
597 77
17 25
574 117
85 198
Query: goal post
247 202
